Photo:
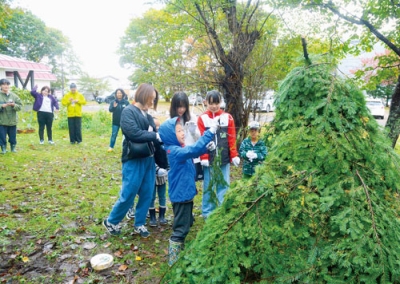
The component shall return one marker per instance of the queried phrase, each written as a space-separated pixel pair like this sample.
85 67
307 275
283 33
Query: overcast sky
94 28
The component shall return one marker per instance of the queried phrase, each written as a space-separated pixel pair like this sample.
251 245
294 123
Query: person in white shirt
45 104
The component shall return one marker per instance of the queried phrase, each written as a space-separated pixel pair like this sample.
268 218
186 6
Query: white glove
205 163
236 161
214 125
158 137
211 146
251 155
191 126
162 172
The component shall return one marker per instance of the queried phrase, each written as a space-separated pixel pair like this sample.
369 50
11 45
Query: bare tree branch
365 23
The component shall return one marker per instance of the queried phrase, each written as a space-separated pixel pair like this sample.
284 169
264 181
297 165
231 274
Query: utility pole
62 76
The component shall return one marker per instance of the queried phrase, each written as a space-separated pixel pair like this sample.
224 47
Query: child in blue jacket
181 178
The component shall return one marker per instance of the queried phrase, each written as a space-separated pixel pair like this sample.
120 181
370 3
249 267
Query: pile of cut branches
323 208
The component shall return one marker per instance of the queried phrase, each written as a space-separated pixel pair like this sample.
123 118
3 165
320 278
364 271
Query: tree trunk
393 122
232 91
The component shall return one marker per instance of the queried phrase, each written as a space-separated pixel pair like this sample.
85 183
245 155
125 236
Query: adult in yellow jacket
74 101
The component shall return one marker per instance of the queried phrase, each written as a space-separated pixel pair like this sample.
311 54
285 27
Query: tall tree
378 21
24 35
158 47
231 41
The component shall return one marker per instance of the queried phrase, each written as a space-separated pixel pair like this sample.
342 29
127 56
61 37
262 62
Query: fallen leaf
25 259
138 258
118 253
123 267
107 245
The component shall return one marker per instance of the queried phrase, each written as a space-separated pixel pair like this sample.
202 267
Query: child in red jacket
225 140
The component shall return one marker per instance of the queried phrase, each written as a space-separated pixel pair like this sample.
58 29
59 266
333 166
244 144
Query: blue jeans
162 200
114 134
138 178
11 131
208 202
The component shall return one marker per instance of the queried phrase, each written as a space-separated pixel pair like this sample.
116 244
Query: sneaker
112 229
142 231
51 142
110 150
41 142
130 214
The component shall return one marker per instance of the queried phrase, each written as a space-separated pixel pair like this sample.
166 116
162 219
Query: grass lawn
53 199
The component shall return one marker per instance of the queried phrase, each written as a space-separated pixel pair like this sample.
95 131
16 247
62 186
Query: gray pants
183 220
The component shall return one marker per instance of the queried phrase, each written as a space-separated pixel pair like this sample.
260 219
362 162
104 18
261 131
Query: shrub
24 95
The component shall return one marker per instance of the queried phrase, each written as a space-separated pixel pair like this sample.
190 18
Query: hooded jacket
73 109
181 176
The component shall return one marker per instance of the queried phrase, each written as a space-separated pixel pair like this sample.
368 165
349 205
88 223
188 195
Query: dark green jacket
8 115
259 148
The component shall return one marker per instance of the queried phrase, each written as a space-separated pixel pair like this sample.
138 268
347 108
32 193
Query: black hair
124 95
180 99
213 97
4 81
46 87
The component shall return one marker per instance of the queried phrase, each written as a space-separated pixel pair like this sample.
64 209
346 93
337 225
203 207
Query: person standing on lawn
74 101
162 168
180 108
138 174
181 177
116 108
44 105
10 103
252 150
225 140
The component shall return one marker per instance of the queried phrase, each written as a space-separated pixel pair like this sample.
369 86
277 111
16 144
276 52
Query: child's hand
251 155
162 172
236 161
191 126
211 146
214 125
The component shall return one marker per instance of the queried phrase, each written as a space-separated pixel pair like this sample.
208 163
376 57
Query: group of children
185 140
209 140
